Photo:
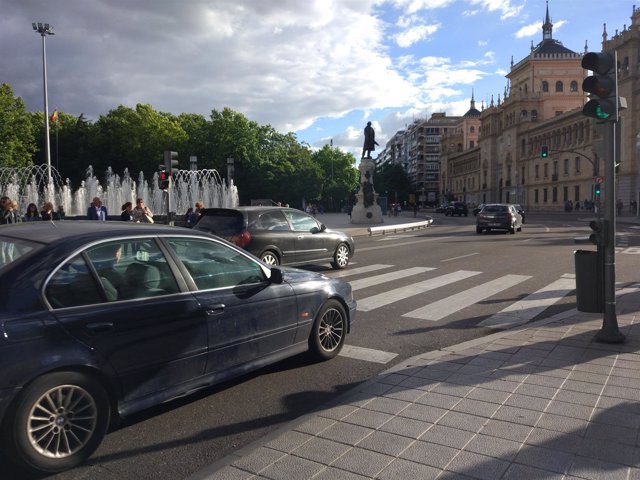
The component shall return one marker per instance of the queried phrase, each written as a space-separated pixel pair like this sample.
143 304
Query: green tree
340 177
391 180
17 141
136 139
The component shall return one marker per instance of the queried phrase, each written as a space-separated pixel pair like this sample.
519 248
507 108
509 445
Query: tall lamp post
45 29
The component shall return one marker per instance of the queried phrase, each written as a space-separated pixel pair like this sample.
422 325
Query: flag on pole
54 116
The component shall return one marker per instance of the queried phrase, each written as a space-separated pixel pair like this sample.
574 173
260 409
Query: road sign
599 180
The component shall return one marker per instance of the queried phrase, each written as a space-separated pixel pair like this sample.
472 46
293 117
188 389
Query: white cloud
528 30
415 34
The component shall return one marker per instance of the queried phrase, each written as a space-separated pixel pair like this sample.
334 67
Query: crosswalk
517 313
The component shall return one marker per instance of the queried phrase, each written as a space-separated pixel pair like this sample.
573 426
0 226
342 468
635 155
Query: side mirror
276 275
323 227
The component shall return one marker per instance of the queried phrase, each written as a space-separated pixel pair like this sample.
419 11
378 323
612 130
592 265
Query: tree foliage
266 163
17 140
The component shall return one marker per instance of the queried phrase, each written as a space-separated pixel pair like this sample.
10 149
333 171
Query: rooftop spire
473 101
547 26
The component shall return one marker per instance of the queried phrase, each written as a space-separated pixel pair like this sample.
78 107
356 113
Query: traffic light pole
609 333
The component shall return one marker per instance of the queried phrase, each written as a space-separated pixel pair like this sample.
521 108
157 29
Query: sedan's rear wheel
59 421
512 229
478 230
341 256
270 258
329 331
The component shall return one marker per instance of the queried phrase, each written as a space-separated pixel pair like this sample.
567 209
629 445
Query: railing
400 228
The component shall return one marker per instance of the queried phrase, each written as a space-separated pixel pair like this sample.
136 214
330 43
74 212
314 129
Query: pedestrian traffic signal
599 231
163 178
171 163
544 151
602 86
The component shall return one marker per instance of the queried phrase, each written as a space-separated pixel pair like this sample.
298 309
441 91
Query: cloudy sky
319 68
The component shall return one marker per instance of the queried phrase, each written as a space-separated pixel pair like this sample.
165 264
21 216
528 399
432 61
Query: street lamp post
45 29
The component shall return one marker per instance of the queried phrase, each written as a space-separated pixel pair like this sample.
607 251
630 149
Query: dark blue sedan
102 319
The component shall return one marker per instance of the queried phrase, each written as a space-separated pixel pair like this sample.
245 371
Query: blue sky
321 68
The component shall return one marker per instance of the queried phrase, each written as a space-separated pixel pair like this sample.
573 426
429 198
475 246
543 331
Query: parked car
279 236
520 210
103 319
498 216
478 209
457 208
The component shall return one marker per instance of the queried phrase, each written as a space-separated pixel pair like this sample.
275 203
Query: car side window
132 269
215 265
273 221
300 221
73 285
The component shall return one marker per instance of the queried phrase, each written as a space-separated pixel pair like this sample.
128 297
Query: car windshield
495 209
12 249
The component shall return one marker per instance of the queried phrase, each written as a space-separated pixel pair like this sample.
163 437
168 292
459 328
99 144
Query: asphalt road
177 439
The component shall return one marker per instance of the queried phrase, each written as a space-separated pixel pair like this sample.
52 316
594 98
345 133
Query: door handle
99 327
216 309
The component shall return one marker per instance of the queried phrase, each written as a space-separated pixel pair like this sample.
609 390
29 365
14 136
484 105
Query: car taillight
242 239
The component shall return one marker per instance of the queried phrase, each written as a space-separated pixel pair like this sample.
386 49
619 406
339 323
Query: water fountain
29 185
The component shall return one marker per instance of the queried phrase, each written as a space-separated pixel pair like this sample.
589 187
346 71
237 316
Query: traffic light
596 189
602 86
599 232
544 151
171 163
163 178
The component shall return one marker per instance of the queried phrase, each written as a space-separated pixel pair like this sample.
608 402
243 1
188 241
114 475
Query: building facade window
565 194
546 170
577 164
566 166
545 86
545 196
535 196
576 193
554 193
573 86
559 86
536 169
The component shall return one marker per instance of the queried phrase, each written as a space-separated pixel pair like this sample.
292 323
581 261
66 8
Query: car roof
255 208
51 232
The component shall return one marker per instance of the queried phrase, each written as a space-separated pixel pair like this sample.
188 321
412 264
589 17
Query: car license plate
494 224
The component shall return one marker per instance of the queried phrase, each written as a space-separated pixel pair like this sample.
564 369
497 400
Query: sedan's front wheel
59 421
329 331
341 257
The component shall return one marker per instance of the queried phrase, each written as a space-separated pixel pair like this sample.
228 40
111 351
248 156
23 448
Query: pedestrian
142 214
32 214
415 210
619 206
59 214
97 211
47 211
127 212
10 214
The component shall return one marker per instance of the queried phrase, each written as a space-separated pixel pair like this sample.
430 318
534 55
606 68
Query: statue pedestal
366 210
372 214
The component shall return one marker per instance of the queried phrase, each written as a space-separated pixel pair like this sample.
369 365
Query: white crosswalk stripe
376 301
367 354
454 303
359 270
388 277
532 305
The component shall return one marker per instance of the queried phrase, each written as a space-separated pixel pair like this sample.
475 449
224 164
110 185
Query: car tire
73 409
270 258
520 228
512 229
328 332
478 230
341 256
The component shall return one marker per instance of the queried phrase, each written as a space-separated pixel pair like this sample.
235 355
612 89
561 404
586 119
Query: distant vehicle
442 207
457 208
279 235
520 210
477 209
100 320
498 216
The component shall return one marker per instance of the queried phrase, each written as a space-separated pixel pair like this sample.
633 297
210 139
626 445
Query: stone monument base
366 215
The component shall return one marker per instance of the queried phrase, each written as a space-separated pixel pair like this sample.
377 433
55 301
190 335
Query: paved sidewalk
542 401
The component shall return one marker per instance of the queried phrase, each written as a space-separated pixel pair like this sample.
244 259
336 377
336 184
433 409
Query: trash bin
589 281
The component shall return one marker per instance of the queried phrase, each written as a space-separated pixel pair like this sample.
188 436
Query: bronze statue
369 140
